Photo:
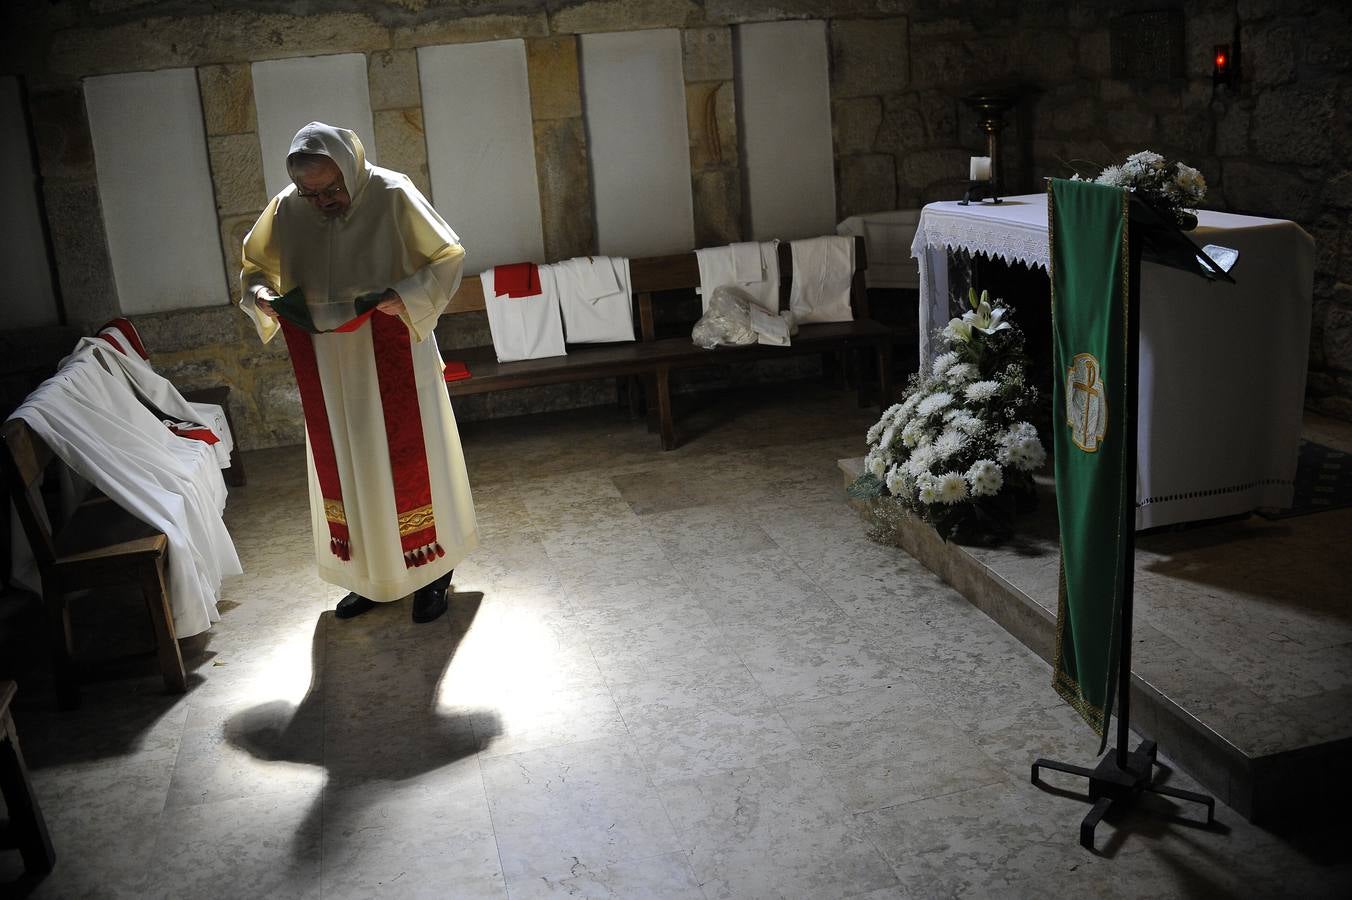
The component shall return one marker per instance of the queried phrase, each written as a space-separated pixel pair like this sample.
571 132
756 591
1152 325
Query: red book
456 371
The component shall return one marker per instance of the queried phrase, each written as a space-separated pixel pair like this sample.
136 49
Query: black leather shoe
429 601
353 605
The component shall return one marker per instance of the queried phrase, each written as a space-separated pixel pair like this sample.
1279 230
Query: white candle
981 168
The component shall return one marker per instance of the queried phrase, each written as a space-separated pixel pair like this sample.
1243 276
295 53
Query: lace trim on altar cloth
1212 492
1027 247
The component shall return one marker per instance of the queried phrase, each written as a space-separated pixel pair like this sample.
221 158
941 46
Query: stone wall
1278 144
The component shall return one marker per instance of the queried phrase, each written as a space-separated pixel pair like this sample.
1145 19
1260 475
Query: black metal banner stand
1122 776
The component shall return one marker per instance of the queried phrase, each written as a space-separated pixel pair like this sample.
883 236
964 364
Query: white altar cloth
1222 381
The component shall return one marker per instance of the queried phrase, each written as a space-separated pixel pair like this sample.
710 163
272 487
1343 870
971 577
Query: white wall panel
784 97
481 149
23 250
150 153
290 93
633 94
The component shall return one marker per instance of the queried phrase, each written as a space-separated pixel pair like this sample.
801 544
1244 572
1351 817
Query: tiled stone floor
682 674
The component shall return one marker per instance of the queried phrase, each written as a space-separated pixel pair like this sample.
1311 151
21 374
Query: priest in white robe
360 266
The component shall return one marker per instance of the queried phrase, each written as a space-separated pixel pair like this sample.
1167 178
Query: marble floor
684 674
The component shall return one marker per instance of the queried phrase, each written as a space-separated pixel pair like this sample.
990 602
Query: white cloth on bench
736 264
823 268
524 327
94 422
162 397
594 298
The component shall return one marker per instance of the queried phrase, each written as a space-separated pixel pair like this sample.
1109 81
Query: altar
1223 366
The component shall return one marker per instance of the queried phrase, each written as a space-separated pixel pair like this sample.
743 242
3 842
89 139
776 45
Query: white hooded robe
390 237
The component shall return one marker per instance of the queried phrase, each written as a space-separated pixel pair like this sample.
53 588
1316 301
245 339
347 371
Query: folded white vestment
524 327
753 267
823 269
594 297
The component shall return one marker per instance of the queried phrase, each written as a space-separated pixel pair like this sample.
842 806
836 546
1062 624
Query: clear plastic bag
727 321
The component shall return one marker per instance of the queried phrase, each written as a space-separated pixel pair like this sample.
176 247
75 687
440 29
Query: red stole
393 350
517 280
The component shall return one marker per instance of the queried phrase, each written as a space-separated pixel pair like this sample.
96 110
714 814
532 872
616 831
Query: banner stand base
1111 784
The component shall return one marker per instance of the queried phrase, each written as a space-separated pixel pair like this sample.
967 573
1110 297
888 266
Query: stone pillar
870 63
235 157
202 348
70 193
711 119
561 164
396 110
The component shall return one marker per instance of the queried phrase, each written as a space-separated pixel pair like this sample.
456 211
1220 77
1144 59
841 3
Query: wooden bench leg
854 375
884 375
664 408
651 402
25 817
162 617
58 637
632 392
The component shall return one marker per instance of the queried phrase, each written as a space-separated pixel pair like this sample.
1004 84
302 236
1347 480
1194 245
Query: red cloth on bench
516 280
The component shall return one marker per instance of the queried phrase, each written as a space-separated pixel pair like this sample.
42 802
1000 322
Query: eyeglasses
327 193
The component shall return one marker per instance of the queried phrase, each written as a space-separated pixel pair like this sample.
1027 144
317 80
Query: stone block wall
1278 144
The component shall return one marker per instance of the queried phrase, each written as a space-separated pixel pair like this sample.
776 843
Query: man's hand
263 300
391 304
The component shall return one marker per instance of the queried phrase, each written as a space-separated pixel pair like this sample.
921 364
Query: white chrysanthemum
1113 175
876 463
914 433
960 373
927 488
875 432
933 403
952 488
920 461
966 423
950 443
985 478
978 391
1027 454
943 361
896 482
889 435
1145 159
1020 448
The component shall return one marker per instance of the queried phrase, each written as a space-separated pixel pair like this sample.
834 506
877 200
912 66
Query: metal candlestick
991 105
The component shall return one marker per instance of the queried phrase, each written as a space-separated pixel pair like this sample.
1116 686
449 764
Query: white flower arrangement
959 449
1174 187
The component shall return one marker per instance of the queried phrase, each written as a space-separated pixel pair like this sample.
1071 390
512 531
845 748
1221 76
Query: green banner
1095 493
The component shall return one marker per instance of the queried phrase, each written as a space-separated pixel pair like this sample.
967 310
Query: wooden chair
102 545
26 830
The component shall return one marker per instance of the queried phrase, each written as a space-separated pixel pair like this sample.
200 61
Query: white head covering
340 145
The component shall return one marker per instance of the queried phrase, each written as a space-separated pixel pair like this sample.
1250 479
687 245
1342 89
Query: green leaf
866 487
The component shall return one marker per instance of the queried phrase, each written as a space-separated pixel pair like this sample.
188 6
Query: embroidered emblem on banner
1086 405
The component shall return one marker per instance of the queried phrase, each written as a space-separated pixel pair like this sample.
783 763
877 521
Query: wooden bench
26 829
653 358
100 546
